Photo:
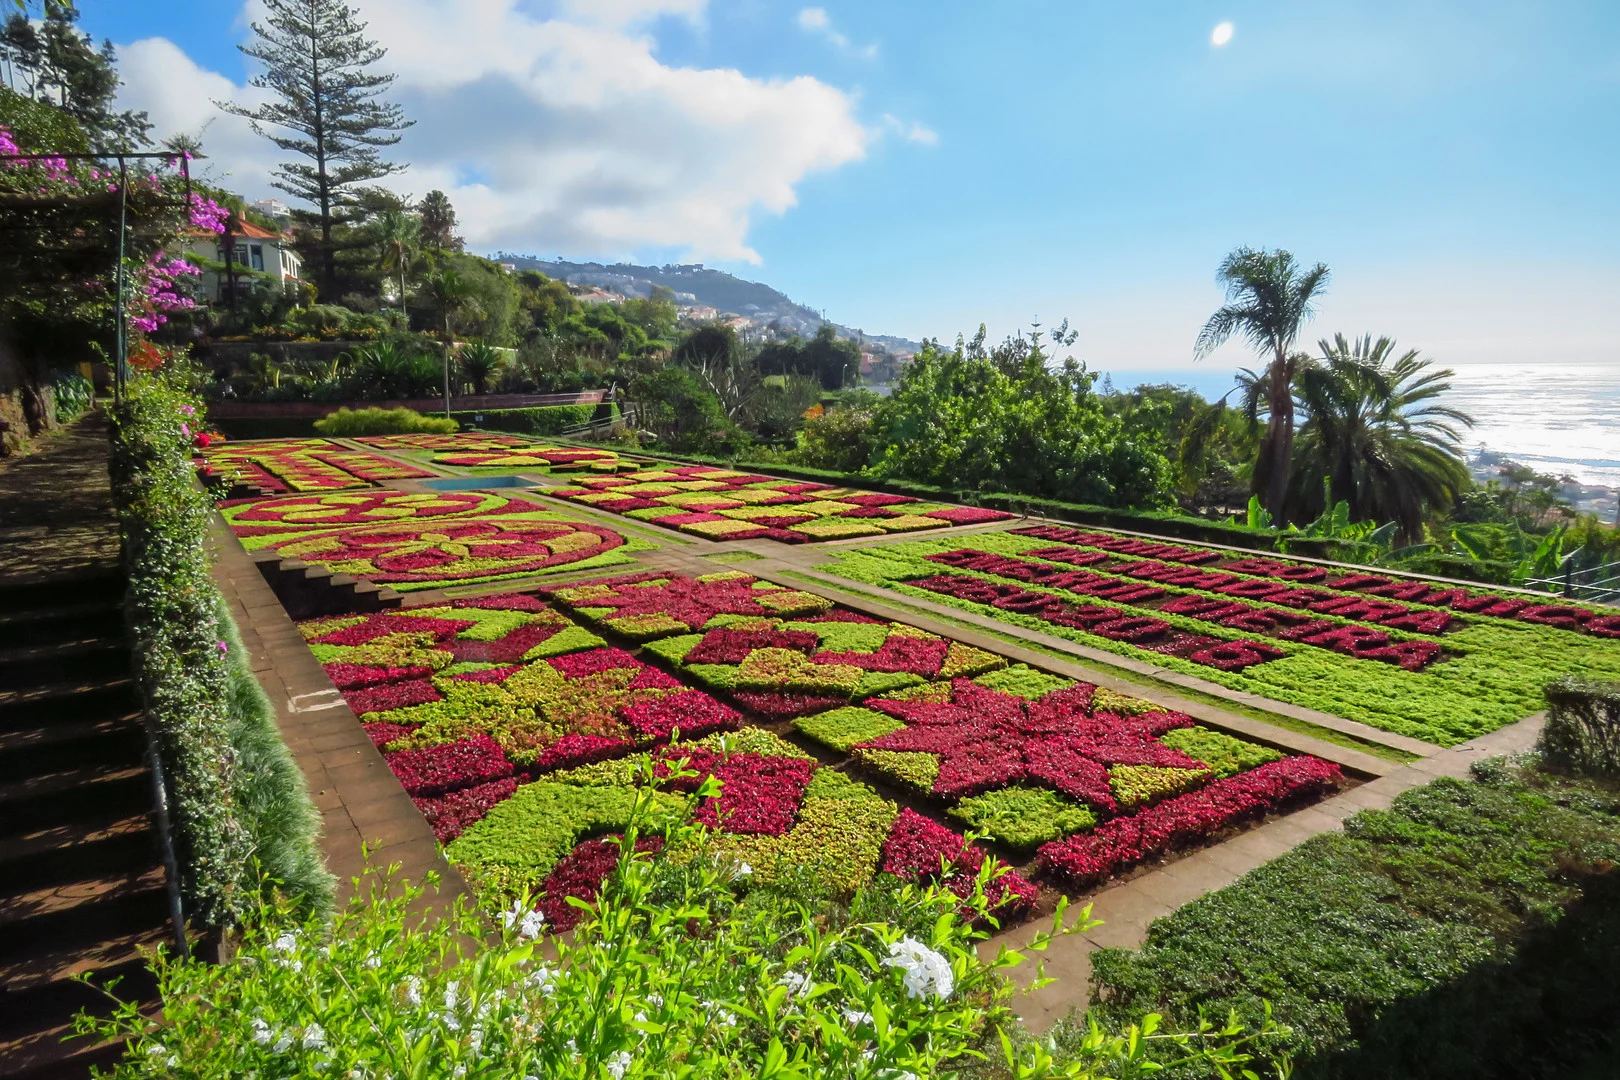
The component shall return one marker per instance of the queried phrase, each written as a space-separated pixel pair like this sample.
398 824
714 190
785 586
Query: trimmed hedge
375 421
238 807
1583 726
1470 930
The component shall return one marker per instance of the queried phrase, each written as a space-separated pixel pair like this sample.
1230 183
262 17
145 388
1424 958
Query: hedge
238 805
1470 930
1583 726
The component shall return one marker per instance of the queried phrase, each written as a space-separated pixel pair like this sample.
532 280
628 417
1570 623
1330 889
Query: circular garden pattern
299 514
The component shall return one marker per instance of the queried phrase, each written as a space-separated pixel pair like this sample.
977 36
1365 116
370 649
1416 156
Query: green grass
732 556
1287 723
1470 930
273 800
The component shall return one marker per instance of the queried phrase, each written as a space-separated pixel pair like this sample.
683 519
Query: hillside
695 285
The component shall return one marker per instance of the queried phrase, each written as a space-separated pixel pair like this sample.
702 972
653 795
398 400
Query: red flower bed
985 739
1112 623
439 769
966 515
759 794
394 695
691 711
1084 859
1227 579
580 874
451 814
688 602
785 706
922 850
355 676
382 733
725 646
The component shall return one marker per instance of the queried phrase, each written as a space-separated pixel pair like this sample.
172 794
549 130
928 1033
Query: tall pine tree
320 66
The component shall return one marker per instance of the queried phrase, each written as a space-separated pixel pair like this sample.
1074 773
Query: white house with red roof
256 251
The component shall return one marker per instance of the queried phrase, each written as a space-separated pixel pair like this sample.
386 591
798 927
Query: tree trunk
447 369
1279 441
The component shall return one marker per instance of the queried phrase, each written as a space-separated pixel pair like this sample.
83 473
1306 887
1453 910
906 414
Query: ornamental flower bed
1443 676
542 459
721 504
460 696
1229 574
302 465
461 440
262 521
410 541
646 606
780 817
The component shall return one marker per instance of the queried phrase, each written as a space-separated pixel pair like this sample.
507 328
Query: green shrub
74 395
671 974
1222 754
351 422
210 730
1411 941
1583 726
1024 817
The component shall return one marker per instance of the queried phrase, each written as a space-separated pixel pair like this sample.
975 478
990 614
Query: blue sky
1454 163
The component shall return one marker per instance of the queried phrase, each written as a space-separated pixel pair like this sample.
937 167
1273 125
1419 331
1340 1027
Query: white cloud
912 132
554 135
814 20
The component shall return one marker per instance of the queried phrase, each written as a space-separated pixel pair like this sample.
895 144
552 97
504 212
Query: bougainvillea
722 504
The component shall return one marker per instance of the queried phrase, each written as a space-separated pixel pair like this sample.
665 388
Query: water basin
478 483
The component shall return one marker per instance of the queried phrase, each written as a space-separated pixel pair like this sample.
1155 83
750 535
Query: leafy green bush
683 414
1583 726
210 730
74 395
1410 941
671 974
1024 817
351 422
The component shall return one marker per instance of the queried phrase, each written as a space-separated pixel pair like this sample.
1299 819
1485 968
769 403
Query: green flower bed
1488 676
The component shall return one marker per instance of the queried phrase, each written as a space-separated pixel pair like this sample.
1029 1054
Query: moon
1221 35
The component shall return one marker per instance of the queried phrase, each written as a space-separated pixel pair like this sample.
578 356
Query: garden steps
306 591
82 885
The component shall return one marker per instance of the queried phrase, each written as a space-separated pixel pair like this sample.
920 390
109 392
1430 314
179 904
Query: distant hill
695 285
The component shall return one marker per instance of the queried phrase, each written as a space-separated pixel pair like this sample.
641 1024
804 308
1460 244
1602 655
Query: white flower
459 1071
286 943
530 926
743 870
373 961
641 1017
314 1038
451 989
856 1016
413 990
924 971
511 915
618 1064
543 979
282 1043
721 1017
261 1031
796 982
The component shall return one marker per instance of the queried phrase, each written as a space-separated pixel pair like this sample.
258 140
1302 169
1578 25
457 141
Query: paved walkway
58 493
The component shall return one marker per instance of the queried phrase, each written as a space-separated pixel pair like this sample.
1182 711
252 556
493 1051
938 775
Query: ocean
1562 419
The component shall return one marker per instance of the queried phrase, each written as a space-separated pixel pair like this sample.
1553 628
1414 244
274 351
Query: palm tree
1268 299
479 362
1376 431
453 295
399 235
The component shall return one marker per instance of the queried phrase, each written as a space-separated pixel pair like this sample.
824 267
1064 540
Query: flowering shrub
666 974
724 504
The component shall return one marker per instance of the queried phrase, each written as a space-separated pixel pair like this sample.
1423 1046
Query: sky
919 167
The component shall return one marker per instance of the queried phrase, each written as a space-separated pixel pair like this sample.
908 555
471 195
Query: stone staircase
82 883
306 590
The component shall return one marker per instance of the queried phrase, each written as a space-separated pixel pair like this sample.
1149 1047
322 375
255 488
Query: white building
257 252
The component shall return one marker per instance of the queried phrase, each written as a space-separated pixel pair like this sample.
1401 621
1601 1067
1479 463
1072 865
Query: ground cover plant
1470 930
283 465
1443 675
422 541
488 450
1088 781
722 504
510 726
